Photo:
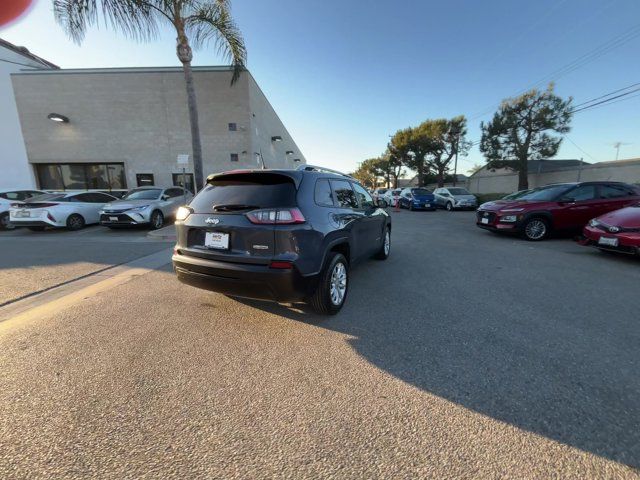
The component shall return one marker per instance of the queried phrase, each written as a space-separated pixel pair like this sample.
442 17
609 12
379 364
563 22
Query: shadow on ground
555 354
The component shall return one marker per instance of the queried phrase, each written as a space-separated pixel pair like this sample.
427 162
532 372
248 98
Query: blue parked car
417 198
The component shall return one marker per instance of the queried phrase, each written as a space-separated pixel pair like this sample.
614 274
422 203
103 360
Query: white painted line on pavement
53 301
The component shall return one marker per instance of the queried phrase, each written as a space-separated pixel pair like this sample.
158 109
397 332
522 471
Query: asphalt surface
465 355
32 261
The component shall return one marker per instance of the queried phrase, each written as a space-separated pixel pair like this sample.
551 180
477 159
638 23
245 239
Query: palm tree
196 22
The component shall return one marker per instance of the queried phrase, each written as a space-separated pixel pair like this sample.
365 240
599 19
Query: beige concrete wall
139 117
504 182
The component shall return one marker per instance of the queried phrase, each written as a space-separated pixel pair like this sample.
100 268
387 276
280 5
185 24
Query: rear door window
322 194
245 192
614 191
344 194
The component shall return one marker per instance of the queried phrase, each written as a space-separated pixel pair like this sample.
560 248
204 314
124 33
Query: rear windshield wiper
233 207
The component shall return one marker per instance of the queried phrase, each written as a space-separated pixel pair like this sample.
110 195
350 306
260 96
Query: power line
606 95
601 102
583 151
579 62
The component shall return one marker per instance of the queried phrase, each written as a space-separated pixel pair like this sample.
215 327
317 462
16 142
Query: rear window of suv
246 191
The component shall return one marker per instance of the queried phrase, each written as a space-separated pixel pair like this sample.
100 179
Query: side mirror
165 197
382 203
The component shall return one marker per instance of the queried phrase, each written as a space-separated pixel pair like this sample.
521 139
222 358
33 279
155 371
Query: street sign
183 159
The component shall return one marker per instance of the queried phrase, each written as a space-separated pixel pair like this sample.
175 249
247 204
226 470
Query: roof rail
314 168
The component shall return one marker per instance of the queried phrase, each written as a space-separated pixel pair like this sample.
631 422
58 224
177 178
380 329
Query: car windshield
143 194
545 193
458 191
515 195
421 191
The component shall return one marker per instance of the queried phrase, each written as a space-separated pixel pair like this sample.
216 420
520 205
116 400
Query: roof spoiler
314 168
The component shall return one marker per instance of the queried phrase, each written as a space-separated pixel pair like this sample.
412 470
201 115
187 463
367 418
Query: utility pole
617 147
580 168
455 164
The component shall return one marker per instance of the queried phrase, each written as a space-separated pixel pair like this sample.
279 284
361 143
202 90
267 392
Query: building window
234 157
144 179
188 182
233 127
81 176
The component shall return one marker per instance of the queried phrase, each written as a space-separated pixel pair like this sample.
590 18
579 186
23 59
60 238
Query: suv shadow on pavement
536 370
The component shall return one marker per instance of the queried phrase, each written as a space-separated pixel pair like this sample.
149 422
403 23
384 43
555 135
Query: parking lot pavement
464 355
33 261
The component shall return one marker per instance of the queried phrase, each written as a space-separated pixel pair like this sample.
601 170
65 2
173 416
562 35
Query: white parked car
379 193
145 206
391 196
72 210
9 197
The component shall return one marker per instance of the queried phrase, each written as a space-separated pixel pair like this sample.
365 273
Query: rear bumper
241 280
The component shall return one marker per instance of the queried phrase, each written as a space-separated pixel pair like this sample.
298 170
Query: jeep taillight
276 216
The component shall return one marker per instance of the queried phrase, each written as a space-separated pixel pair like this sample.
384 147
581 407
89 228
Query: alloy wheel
338 285
535 229
387 242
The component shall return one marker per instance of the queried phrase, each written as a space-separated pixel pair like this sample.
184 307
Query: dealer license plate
22 214
113 219
611 242
484 220
216 240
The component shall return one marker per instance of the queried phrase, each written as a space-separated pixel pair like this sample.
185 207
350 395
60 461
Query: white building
15 172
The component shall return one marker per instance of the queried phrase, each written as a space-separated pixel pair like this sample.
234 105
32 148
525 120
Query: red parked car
618 231
557 207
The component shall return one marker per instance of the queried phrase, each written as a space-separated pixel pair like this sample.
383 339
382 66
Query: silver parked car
145 206
455 198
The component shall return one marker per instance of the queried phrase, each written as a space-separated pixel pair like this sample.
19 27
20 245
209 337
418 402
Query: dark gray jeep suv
280 235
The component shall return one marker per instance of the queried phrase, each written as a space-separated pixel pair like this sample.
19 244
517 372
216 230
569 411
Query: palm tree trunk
196 146
185 55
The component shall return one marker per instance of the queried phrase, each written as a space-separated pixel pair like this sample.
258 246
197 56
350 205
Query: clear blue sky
344 75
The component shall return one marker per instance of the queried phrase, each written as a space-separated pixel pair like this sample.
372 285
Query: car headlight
593 222
509 218
138 209
183 213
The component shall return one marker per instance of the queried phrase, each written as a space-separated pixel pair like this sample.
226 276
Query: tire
449 207
157 220
411 207
535 229
321 300
5 224
385 249
75 222
36 229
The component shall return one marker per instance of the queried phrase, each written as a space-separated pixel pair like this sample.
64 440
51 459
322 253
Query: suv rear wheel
535 229
383 253
332 288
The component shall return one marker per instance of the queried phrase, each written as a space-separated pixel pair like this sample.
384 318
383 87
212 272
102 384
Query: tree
366 173
447 139
521 131
394 167
410 146
196 22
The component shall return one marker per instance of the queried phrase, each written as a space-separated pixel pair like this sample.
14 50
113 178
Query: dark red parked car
618 231
557 207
